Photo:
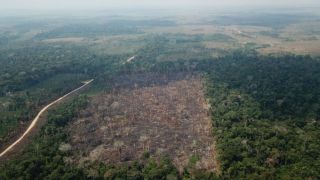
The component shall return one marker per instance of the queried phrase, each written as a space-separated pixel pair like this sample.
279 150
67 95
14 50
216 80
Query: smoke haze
105 4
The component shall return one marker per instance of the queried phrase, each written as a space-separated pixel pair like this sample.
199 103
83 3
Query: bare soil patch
164 115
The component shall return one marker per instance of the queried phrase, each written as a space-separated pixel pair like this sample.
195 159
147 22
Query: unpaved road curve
35 120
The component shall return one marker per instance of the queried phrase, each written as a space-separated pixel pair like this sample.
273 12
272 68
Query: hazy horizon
131 4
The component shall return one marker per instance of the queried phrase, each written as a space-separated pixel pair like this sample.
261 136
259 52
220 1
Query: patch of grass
194 159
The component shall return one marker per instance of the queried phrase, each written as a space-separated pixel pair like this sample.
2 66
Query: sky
105 4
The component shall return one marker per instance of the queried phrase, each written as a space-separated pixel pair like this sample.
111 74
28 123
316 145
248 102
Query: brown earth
165 115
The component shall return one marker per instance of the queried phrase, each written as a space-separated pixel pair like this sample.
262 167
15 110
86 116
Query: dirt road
35 120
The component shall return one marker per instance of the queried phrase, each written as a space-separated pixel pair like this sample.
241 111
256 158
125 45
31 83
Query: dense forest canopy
264 107
265 115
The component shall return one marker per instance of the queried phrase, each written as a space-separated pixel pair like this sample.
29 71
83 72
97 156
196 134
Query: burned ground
164 115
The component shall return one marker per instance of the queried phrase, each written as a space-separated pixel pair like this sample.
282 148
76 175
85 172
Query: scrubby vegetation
159 114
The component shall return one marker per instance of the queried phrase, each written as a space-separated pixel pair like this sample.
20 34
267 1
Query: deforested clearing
162 115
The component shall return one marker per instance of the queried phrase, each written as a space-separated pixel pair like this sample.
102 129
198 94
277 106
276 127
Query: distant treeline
265 110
